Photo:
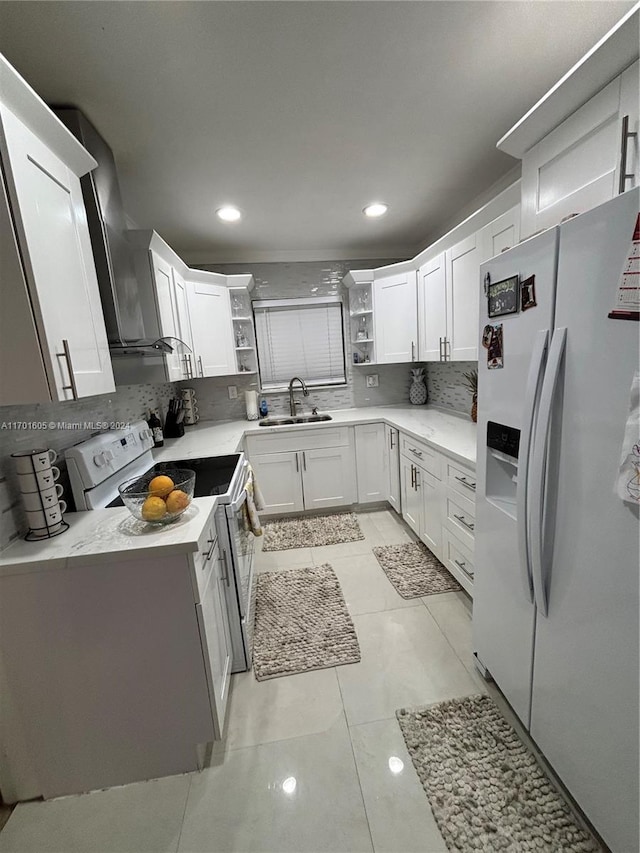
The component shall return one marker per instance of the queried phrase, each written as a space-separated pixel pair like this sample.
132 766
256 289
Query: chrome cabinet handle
447 349
412 477
209 554
461 565
190 365
462 520
66 354
304 460
200 363
417 485
417 452
297 463
441 353
391 444
466 482
413 351
225 576
624 142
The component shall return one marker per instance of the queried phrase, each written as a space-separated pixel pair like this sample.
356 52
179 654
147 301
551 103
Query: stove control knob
144 434
108 456
99 460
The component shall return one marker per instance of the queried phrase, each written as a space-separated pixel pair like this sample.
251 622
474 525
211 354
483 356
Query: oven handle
234 508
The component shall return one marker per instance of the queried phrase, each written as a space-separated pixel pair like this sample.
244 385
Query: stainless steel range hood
133 327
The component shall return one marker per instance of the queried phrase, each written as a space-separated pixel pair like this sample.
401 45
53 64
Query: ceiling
300 113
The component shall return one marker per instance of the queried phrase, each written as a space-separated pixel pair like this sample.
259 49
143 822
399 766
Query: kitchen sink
298 419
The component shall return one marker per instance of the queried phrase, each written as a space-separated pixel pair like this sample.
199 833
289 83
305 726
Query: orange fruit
177 500
161 485
153 509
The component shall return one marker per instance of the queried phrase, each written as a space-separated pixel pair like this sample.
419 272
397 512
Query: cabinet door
372 463
463 288
573 169
503 233
211 326
629 98
432 308
215 634
328 477
396 319
430 491
280 480
411 498
51 221
392 440
183 324
167 315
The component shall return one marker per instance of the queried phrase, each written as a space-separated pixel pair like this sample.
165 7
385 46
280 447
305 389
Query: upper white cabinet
500 234
211 326
183 323
396 321
578 165
463 284
163 276
432 309
51 320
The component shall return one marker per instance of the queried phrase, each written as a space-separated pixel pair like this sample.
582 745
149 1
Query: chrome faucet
292 402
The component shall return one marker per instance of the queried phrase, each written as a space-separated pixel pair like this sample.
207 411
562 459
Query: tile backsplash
446 384
66 425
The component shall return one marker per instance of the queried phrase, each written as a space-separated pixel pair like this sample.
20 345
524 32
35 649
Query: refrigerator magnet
528 293
504 296
492 342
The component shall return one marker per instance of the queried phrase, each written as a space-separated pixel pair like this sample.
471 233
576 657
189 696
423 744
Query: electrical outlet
372 380
233 392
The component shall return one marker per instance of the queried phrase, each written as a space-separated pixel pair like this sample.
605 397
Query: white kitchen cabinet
430 489
577 165
411 499
395 319
319 470
392 445
212 329
500 234
183 323
56 325
463 289
280 481
628 171
215 635
163 278
372 462
328 477
432 308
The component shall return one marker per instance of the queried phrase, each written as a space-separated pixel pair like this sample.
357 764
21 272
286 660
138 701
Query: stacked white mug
40 492
190 404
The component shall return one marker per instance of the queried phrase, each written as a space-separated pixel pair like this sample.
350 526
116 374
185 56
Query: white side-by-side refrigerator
555 616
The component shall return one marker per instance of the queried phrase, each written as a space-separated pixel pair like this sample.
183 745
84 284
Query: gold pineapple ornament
471 382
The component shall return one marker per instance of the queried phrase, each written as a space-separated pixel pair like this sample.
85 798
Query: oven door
242 542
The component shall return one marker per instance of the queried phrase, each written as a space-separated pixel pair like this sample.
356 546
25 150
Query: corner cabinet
211 326
395 319
51 320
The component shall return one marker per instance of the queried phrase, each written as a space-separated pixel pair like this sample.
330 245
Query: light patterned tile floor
314 761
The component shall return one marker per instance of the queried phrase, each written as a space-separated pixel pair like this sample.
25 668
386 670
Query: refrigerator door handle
526 433
538 465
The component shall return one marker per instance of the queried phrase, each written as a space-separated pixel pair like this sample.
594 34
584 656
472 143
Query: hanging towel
628 483
255 501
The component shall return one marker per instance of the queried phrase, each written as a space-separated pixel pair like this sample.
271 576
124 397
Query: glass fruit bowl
159 497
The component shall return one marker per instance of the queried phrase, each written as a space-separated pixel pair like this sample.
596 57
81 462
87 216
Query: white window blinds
300 337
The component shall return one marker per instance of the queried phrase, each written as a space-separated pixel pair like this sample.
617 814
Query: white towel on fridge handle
628 484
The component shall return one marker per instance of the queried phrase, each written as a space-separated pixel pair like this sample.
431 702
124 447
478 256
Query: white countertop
107 534
451 433
101 534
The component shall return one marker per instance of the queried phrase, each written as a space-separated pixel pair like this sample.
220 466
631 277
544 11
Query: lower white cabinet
411 499
372 462
431 494
280 481
215 636
392 445
315 477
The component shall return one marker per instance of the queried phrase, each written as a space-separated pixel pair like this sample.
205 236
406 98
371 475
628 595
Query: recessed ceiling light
375 209
228 213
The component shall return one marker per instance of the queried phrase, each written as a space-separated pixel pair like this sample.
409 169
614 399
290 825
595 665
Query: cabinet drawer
458 559
206 555
273 440
461 480
421 454
461 517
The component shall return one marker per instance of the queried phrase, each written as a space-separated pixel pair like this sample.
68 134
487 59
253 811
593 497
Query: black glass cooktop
213 474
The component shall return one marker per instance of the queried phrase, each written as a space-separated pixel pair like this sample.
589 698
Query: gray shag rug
311 531
301 623
486 790
414 570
